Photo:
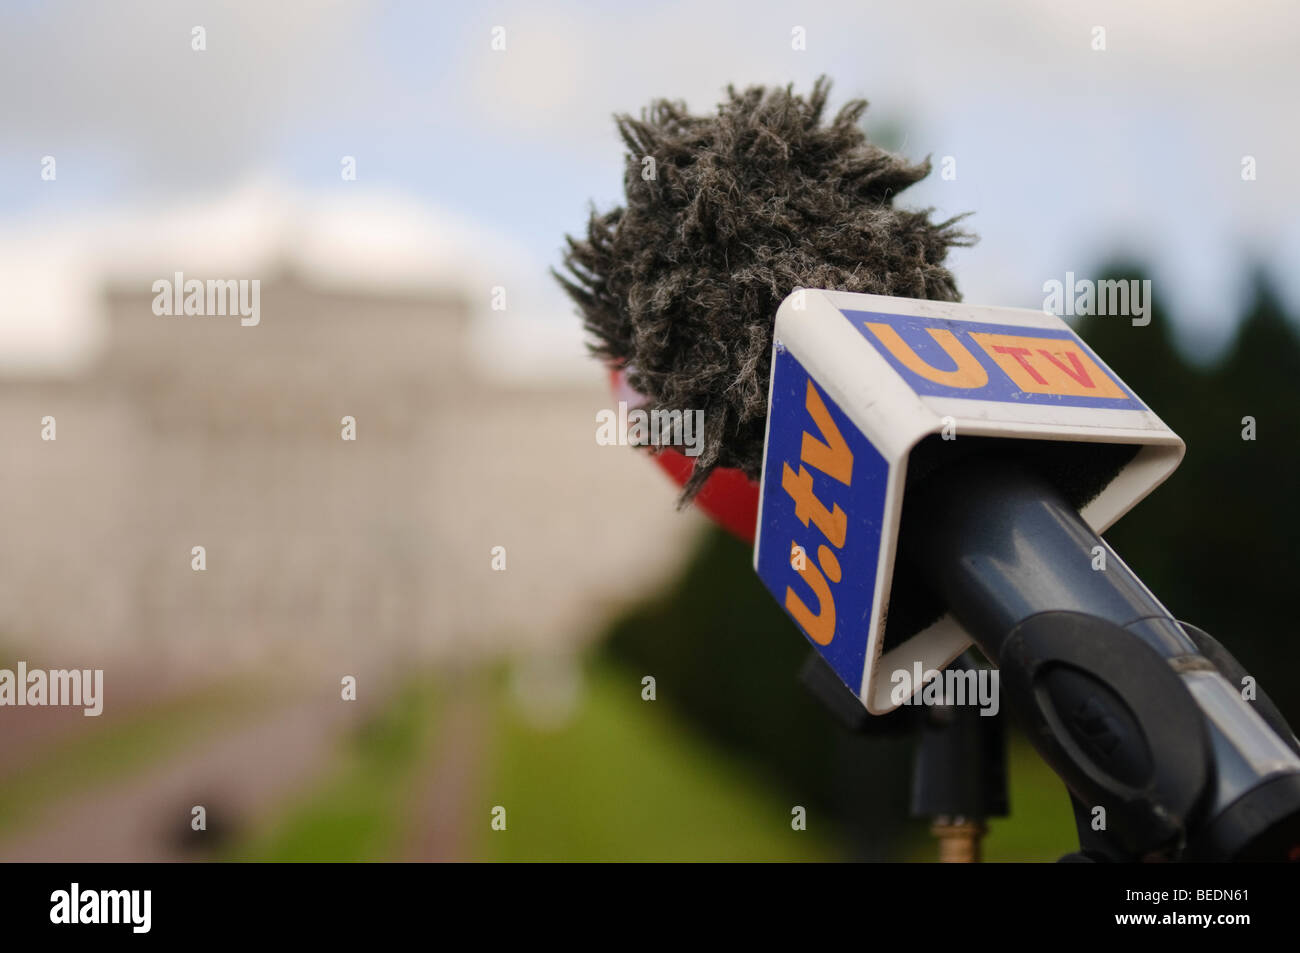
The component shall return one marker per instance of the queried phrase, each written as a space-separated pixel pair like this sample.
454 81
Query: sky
1067 155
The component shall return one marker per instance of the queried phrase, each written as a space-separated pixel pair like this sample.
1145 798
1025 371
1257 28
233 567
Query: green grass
624 781
621 781
363 811
118 748
1041 825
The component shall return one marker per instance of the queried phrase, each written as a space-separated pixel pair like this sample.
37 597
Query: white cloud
51 279
121 78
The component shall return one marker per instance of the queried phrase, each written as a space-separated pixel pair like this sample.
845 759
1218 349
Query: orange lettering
832 457
821 626
969 372
1062 366
834 525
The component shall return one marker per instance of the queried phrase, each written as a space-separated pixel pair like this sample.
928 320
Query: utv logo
826 451
948 358
133 908
822 516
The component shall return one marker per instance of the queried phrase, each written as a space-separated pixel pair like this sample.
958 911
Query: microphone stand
1145 720
960 774
959 777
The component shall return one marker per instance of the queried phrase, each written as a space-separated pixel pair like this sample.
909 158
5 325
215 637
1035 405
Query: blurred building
322 553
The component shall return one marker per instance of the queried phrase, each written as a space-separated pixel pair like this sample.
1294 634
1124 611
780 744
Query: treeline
1218 542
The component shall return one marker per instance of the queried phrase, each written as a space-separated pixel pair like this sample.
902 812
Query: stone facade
321 553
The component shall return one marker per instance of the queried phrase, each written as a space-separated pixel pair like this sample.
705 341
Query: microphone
930 474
